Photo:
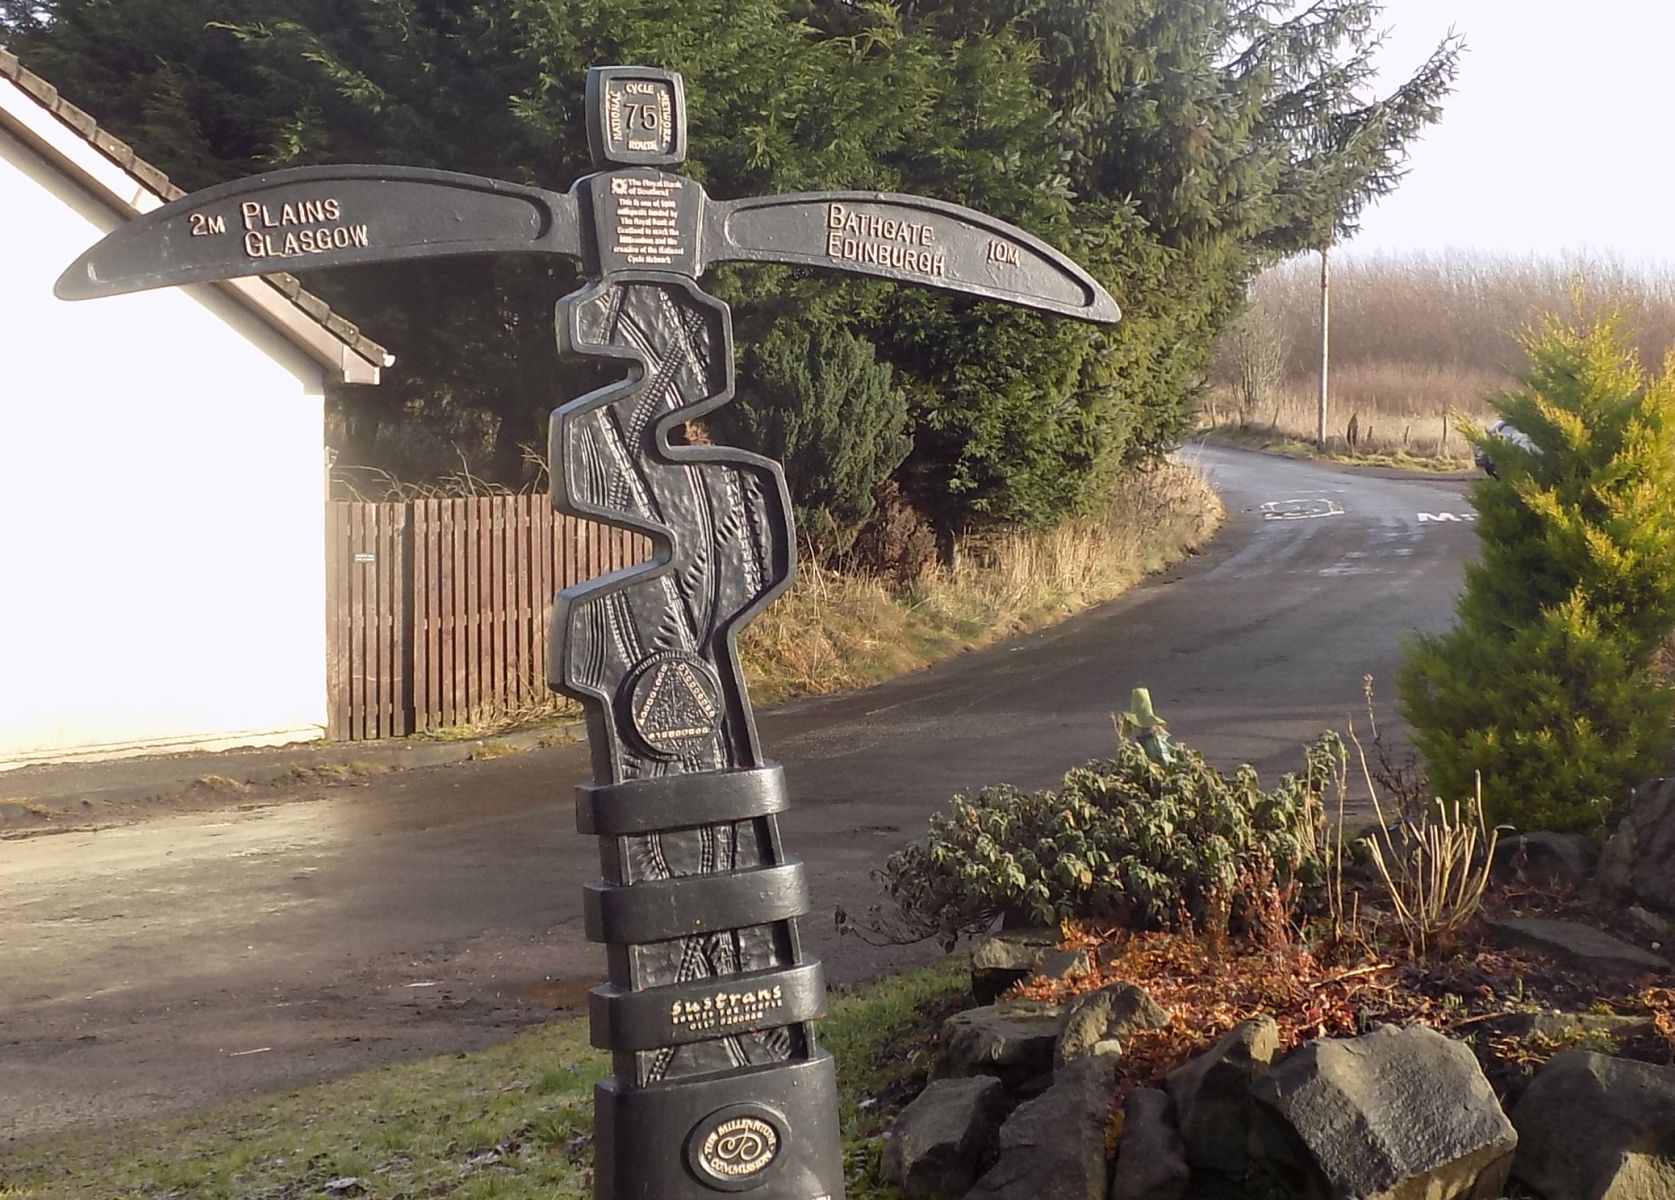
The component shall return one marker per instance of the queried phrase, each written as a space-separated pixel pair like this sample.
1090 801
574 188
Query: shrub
821 402
1251 359
1130 840
896 541
1435 866
1544 685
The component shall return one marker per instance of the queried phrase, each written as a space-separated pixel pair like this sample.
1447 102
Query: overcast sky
1554 139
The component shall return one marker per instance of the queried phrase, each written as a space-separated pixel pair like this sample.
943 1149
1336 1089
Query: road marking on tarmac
1300 509
1352 564
1446 516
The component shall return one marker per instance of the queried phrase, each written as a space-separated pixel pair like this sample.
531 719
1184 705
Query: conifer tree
1544 685
1174 149
821 403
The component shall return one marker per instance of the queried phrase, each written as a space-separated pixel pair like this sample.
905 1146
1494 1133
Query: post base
767 1131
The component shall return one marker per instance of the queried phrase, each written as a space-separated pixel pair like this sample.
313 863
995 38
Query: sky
1553 141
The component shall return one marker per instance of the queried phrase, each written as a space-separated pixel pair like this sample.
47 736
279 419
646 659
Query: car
1506 431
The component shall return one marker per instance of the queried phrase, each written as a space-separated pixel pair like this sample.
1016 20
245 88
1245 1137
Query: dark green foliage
1544 684
1173 148
1127 840
821 403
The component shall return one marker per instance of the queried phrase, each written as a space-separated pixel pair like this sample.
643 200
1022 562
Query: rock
1651 922
1053 1147
938 1141
1398 1113
1020 1007
1638 862
1012 950
1536 1036
1563 1026
1593 1127
1063 964
1577 944
1544 859
1113 1012
1011 1042
1212 1095
1151 1162
1002 959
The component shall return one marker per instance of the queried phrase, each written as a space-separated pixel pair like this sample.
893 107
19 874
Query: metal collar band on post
719 1083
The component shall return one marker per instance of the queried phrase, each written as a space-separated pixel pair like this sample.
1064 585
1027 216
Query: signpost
719 1084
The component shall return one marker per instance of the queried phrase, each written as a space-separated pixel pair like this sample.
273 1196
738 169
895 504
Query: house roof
108 167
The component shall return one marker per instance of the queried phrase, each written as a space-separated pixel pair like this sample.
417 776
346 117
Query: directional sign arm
309 217
908 238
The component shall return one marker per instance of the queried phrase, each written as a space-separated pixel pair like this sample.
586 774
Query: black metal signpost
719 1083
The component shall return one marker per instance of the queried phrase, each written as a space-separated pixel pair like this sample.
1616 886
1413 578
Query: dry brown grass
832 632
1417 343
1378 409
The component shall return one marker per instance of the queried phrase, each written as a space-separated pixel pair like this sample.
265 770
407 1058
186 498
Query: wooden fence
437 610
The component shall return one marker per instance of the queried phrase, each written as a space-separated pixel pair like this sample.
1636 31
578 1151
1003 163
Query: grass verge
509 1123
1291 445
835 632
830 633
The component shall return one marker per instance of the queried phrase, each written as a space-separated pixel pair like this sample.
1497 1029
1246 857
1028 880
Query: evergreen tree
1544 684
1187 146
821 403
1175 149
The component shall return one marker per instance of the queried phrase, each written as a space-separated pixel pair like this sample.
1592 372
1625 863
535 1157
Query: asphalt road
166 965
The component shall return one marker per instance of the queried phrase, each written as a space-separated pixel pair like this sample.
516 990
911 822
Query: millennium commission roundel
736 1148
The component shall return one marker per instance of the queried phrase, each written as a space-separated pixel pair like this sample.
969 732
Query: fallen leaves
1207 992
1208 987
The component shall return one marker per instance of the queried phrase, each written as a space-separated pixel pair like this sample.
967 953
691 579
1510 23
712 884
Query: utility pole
1325 342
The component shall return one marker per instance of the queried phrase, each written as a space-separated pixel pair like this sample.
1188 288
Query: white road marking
1300 509
1352 564
1446 516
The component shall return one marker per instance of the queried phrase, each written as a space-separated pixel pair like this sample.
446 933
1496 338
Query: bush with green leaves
1129 840
1544 685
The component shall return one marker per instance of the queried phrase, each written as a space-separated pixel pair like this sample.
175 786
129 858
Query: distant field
1417 343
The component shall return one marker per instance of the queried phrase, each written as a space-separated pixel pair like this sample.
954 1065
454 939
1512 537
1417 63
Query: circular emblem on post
674 705
736 1148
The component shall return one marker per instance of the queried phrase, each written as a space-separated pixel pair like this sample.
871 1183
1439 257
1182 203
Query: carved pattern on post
718 519
650 651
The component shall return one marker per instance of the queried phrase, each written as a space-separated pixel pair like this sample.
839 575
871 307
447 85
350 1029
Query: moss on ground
509 1123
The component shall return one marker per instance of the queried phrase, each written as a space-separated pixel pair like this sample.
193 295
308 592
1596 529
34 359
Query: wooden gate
437 610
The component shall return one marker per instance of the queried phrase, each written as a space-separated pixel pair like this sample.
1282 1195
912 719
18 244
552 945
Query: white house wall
161 520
